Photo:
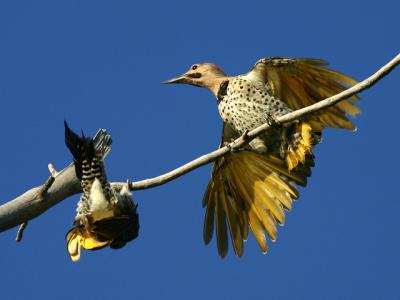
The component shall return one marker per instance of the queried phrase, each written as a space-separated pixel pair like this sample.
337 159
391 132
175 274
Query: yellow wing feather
248 189
302 82
220 224
209 203
233 221
254 199
78 238
257 229
297 153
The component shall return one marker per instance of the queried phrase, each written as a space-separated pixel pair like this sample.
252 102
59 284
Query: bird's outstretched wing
248 189
301 82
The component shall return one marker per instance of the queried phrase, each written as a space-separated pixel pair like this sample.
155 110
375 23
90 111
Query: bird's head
205 75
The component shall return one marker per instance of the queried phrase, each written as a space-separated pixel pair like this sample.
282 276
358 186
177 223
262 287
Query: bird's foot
232 146
228 145
273 121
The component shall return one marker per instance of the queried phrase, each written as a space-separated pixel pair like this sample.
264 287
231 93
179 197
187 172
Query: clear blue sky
100 64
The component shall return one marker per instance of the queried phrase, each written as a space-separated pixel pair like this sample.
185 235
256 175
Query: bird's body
104 216
245 105
252 187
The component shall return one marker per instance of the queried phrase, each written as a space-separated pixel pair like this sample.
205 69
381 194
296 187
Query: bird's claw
228 145
273 121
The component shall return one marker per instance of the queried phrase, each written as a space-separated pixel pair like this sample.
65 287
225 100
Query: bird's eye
194 67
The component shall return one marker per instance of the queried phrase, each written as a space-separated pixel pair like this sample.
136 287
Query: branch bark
28 206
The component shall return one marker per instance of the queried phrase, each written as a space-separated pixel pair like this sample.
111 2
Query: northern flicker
254 186
104 217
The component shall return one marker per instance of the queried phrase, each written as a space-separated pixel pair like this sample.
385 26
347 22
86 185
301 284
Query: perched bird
254 186
104 217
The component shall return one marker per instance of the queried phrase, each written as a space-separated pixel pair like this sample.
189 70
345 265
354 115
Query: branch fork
41 196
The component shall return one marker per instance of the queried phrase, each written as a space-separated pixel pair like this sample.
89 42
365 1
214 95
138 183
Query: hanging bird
254 186
104 217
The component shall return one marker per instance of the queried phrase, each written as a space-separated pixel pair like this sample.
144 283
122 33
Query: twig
42 192
52 170
26 207
20 232
40 196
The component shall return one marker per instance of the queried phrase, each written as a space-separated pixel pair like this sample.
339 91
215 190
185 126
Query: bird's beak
180 79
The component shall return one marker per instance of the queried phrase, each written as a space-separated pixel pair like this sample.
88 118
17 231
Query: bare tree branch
41 195
20 231
27 206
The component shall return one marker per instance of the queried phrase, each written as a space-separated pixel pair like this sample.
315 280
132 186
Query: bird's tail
88 156
102 142
249 189
82 150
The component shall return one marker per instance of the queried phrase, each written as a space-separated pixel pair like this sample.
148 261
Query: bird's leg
128 184
258 145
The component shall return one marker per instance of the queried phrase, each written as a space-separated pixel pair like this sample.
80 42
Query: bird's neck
214 84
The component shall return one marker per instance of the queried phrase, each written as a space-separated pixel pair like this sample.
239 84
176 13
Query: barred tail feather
88 157
102 142
82 149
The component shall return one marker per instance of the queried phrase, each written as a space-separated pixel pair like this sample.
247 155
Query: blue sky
100 64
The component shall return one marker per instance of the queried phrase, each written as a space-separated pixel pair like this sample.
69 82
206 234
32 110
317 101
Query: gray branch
28 206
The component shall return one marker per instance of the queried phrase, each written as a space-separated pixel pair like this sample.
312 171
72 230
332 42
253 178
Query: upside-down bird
255 185
104 216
